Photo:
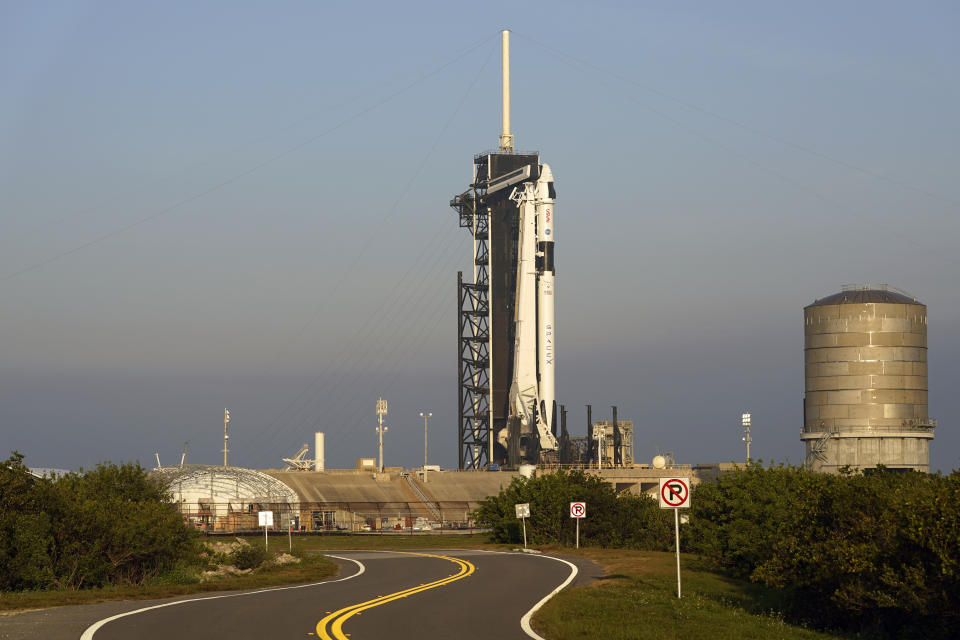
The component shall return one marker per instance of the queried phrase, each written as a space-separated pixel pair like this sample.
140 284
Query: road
430 594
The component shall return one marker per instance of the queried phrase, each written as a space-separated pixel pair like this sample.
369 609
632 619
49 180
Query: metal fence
333 518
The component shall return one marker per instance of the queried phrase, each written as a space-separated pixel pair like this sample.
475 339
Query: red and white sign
674 493
578 509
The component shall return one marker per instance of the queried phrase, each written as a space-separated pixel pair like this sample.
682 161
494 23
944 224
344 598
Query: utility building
866 381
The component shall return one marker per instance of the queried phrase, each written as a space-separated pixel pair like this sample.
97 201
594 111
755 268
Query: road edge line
92 629
525 620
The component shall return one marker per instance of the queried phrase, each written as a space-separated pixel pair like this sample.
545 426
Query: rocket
546 328
533 388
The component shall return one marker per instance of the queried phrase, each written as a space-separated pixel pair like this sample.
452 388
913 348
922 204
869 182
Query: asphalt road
431 594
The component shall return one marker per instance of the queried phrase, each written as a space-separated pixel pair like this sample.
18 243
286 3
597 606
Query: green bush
111 525
875 553
248 556
613 520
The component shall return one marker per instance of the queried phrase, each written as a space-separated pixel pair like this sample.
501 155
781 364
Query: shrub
877 554
110 525
248 556
613 520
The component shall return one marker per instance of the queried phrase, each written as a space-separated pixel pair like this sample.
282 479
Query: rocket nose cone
545 174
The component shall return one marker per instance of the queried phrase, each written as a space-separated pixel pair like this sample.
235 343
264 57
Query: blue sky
245 204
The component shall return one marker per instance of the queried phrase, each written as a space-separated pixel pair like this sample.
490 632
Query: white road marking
525 620
92 629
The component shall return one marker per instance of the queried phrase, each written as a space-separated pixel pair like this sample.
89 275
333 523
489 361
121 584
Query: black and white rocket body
532 389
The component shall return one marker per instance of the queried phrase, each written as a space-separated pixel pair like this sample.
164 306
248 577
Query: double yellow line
334 621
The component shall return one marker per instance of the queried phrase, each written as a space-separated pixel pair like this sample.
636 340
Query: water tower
865 367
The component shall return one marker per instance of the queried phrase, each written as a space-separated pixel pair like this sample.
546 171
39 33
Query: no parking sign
578 509
674 493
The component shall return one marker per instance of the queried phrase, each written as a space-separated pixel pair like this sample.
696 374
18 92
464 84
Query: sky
245 205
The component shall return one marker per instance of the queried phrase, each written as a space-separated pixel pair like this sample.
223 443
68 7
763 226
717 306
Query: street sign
265 518
523 512
674 493
578 510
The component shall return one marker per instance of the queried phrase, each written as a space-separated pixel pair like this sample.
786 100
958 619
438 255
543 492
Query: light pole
745 422
381 429
226 419
425 416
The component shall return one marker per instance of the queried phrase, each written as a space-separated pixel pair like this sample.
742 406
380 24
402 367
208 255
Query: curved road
429 594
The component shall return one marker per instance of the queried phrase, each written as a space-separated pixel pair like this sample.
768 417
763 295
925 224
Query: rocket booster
546 328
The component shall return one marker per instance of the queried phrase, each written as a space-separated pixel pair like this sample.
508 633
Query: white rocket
546 329
532 389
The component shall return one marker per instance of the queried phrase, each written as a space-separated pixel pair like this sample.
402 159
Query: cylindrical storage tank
865 400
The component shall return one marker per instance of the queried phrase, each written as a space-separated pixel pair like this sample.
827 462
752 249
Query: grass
313 567
636 600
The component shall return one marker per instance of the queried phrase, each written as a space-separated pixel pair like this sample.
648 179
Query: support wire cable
747 159
237 177
271 429
745 127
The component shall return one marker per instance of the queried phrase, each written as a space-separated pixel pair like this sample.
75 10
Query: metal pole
266 544
676 525
380 438
425 417
290 533
524 532
226 419
578 533
381 411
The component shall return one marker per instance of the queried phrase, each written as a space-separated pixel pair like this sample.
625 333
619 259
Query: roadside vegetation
637 600
109 526
876 555
110 533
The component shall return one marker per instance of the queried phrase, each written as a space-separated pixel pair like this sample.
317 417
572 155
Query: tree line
874 553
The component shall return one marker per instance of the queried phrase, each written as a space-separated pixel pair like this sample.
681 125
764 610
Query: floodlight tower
381 429
226 420
745 422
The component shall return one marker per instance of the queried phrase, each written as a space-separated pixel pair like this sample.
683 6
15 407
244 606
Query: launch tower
506 329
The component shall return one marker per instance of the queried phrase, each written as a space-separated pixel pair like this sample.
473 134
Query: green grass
637 600
313 567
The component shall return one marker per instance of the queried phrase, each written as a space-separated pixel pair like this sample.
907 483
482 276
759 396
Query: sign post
266 520
523 512
578 511
675 494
